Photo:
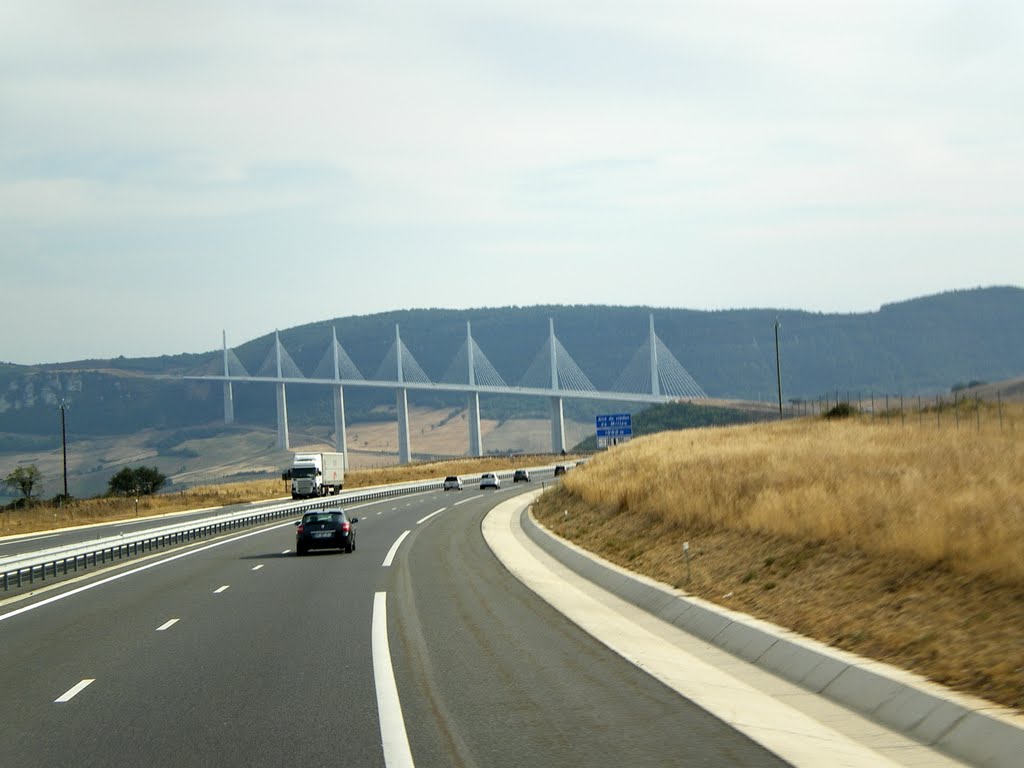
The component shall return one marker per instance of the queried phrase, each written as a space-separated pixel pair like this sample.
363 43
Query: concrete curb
965 727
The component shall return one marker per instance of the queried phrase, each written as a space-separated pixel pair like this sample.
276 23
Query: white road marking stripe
394 549
167 625
146 567
77 689
462 502
424 519
257 567
389 708
286 552
218 591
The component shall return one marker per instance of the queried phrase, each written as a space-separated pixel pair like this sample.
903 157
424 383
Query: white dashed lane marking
74 691
424 519
218 591
393 551
257 567
167 625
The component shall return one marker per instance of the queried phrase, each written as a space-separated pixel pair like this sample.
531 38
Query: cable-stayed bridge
653 375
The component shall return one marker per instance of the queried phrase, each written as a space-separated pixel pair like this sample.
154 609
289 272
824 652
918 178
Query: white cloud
392 141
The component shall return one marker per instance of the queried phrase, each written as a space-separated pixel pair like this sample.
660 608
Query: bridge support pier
402 407
557 426
229 395
229 404
476 447
340 438
282 419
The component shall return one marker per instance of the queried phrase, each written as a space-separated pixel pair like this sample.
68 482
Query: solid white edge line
394 550
424 519
389 709
221 589
167 625
146 567
74 691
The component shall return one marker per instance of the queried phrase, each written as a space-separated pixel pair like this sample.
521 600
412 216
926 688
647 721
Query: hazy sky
169 169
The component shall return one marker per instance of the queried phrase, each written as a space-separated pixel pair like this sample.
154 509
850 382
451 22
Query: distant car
453 483
521 476
560 469
489 480
325 529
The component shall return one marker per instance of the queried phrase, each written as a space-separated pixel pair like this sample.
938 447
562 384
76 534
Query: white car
453 483
489 480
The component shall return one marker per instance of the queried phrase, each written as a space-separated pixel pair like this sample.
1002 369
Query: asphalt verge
965 727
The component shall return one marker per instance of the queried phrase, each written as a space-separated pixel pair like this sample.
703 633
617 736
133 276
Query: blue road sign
613 428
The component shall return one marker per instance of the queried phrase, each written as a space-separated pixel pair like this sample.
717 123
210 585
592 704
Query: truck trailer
317 474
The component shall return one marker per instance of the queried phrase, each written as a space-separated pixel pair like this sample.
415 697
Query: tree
140 481
25 480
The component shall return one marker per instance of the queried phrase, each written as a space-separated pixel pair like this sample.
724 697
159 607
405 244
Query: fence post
999 396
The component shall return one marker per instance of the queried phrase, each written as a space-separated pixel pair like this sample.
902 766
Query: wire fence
952 411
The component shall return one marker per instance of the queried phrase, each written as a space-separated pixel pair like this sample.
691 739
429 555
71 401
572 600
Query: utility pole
64 444
778 368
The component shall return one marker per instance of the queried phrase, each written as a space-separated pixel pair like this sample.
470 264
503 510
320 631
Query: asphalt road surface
234 651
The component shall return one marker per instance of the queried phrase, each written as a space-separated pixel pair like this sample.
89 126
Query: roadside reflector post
686 553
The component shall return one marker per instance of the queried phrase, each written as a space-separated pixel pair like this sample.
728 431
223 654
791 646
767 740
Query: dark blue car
325 529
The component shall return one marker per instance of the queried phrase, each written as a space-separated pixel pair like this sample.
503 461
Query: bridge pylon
229 395
282 400
476 447
402 406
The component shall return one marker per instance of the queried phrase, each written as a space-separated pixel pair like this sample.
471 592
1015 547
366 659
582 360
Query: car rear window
451 479
322 517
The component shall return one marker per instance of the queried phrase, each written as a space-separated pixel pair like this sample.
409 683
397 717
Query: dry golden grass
41 517
900 543
946 497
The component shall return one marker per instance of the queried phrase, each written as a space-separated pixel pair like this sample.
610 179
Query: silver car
489 480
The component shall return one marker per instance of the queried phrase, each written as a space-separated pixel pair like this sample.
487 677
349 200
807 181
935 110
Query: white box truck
317 474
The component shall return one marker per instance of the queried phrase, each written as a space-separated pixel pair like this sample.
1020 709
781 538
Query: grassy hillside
896 541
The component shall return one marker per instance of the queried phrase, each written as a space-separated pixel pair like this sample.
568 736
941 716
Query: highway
233 651
27 543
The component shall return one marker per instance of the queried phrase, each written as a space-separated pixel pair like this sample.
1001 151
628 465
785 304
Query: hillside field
896 540
216 453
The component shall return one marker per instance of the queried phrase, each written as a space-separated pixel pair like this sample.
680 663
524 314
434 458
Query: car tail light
344 527
298 529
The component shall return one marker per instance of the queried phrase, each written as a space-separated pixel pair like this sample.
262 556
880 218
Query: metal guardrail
19 569
22 569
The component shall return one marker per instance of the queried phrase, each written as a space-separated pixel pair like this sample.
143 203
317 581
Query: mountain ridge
922 346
